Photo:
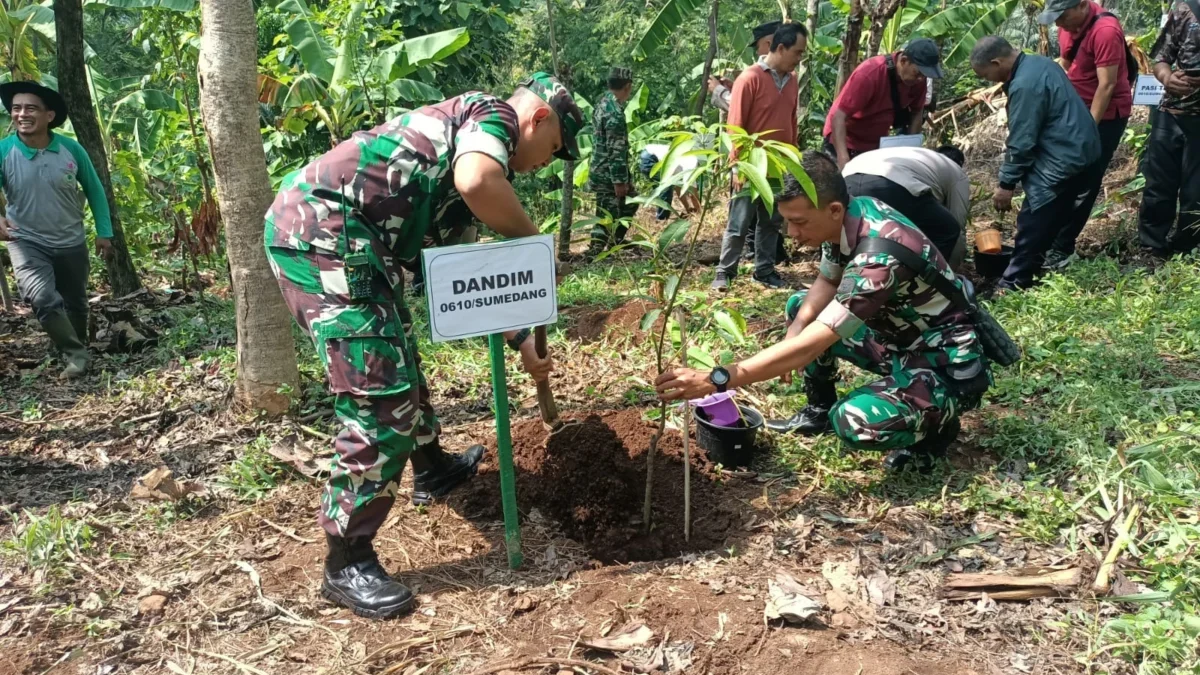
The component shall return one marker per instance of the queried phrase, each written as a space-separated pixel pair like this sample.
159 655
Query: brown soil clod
590 478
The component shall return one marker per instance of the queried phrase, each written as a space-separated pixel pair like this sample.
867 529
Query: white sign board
902 141
1147 91
480 289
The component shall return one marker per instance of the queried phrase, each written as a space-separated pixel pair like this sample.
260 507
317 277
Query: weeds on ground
254 474
49 540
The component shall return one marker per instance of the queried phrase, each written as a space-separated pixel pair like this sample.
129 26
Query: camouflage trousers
902 407
609 206
374 371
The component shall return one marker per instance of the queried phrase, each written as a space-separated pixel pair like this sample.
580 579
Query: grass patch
50 540
253 474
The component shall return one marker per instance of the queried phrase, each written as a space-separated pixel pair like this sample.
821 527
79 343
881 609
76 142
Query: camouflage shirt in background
379 191
1179 47
610 142
917 324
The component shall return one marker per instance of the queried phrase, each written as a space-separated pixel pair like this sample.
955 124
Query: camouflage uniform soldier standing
609 169
336 237
871 310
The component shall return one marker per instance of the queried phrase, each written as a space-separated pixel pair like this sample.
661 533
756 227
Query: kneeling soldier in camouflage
871 308
337 236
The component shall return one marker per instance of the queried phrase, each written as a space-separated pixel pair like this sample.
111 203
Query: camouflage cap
570 120
619 73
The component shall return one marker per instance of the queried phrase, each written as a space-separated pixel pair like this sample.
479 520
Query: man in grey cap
1098 63
722 89
884 93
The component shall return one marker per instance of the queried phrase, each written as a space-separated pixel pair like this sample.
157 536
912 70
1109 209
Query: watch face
719 376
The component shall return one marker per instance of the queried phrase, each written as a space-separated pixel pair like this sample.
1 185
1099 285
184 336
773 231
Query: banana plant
966 24
344 85
22 26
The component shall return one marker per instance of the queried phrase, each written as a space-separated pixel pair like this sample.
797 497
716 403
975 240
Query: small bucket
992 265
719 408
729 446
988 241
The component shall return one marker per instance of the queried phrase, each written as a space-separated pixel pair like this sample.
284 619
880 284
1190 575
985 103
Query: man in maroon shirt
883 93
1093 53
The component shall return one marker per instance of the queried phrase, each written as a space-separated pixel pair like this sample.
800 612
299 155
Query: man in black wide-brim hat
41 174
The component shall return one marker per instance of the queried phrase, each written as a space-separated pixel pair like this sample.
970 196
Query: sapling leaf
758 179
673 233
649 318
700 357
670 285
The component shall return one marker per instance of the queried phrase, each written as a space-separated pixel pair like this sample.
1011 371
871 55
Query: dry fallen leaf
881 590
629 636
525 603
789 600
295 453
843 584
159 485
152 605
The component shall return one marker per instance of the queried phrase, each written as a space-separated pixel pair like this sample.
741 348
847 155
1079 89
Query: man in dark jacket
1052 142
1172 161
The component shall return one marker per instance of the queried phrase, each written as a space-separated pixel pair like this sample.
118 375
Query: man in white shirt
928 187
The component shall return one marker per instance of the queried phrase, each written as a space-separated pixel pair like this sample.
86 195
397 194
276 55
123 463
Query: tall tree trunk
881 16
266 355
566 217
849 58
812 14
702 97
73 85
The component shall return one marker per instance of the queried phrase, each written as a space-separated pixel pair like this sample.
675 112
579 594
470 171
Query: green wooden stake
508 479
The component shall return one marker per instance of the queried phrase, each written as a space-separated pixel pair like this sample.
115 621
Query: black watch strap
518 340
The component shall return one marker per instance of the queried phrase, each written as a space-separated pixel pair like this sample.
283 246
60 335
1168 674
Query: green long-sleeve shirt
42 188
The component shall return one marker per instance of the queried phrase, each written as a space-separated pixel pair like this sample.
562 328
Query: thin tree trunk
849 59
812 13
266 355
73 85
566 217
5 293
880 17
702 97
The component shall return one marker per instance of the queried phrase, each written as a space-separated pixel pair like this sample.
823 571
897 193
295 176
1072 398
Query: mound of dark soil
591 476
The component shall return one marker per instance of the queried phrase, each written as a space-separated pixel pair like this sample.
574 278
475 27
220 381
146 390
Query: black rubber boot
923 455
62 334
80 323
813 418
436 472
354 579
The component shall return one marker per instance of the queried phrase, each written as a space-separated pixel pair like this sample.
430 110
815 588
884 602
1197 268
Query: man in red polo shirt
884 92
1093 53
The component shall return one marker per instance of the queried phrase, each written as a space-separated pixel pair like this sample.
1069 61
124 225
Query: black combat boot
923 455
813 418
436 472
355 579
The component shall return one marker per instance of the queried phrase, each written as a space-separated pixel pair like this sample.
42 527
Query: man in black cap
41 174
884 93
722 89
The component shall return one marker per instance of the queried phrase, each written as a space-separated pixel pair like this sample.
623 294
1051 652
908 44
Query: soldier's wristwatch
719 378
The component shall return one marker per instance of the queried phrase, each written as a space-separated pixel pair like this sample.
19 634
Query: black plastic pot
729 446
992 265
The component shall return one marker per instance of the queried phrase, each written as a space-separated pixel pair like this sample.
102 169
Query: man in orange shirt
764 100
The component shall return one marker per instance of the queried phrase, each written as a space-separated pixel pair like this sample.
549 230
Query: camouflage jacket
610 142
917 325
379 191
1179 47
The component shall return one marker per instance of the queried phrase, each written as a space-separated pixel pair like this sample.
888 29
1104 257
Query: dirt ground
213 584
